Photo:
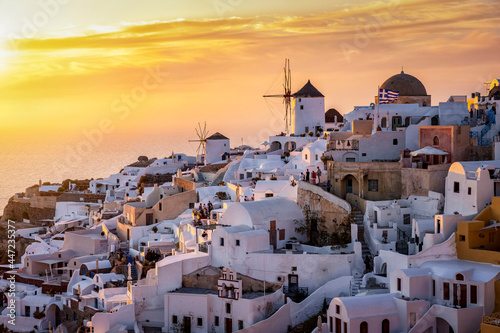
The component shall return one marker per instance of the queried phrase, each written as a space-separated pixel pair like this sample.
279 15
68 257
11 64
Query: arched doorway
363 327
290 146
386 326
275 145
349 185
442 326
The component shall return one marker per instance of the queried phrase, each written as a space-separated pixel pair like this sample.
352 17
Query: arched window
424 104
363 327
386 327
459 277
383 123
435 141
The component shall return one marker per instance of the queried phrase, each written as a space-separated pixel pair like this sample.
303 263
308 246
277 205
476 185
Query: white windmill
202 139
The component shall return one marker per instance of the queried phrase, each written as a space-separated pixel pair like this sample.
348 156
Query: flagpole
376 122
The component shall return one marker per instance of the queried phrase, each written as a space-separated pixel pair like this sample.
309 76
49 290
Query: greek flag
385 96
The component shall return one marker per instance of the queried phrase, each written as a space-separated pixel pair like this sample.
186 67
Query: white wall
312 114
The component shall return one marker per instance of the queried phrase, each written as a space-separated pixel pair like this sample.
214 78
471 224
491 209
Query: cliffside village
382 219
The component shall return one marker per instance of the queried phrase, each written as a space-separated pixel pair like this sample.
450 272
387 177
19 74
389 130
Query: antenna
287 95
202 139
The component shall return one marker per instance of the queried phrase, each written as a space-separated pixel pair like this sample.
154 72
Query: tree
155 229
310 226
61 189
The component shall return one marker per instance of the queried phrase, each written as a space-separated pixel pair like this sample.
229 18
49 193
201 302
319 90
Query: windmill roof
308 90
217 136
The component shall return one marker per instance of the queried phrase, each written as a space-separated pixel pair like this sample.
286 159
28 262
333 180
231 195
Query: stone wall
480 153
333 209
421 181
17 211
187 185
68 313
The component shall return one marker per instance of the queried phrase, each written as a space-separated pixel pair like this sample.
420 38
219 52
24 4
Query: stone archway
349 184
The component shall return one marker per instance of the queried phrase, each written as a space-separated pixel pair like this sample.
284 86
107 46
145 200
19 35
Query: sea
25 162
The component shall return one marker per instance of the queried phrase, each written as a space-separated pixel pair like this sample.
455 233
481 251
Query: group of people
311 177
203 212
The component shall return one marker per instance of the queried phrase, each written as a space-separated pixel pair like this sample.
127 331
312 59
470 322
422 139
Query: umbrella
265 143
428 151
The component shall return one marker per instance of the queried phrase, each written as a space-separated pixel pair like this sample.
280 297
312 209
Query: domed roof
406 84
330 116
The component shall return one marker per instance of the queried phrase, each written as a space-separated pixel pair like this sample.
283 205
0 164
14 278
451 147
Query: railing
295 291
492 319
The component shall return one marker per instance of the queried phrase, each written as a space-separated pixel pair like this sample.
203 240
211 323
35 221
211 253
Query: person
210 207
318 173
301 176
328 186
313 176
307 175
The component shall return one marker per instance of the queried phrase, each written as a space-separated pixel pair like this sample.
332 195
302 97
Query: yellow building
479 240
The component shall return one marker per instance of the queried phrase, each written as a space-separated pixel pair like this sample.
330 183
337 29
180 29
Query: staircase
357 216
355 285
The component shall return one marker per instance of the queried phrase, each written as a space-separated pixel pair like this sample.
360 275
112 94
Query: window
159 206
221 241
269 195
199 321
191 205
228 307
363 154
59 255
216 321
461 238
469 191
456 187
433 287
459 277
300 99
446 291
399 284
174 319
350 159
302 107
406 218
242 176
435 141
75 316
345 327
294 268
373 185
240 324
473 294
306 156
316 157
395 142
237 242
282 234
337 309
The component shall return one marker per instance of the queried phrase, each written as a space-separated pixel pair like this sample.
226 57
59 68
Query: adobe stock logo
31 27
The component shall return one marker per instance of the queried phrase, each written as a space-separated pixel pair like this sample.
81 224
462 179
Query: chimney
40 183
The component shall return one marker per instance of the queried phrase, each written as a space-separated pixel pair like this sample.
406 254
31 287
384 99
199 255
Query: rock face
19 210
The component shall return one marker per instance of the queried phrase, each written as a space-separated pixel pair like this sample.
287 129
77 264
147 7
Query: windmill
287 95
202 139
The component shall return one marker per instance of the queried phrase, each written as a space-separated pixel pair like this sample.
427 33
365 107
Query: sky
96 70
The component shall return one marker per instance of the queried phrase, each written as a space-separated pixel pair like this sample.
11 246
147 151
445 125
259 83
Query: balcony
343 145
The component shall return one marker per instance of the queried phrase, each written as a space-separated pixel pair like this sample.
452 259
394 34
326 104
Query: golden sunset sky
136 68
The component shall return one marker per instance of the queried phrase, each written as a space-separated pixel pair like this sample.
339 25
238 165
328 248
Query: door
460 295
293 283
272 235
186 322
149 218
228 325
348 188
396 122
338 325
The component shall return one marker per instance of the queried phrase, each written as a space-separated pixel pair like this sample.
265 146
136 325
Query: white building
308 112
470 186
217 146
